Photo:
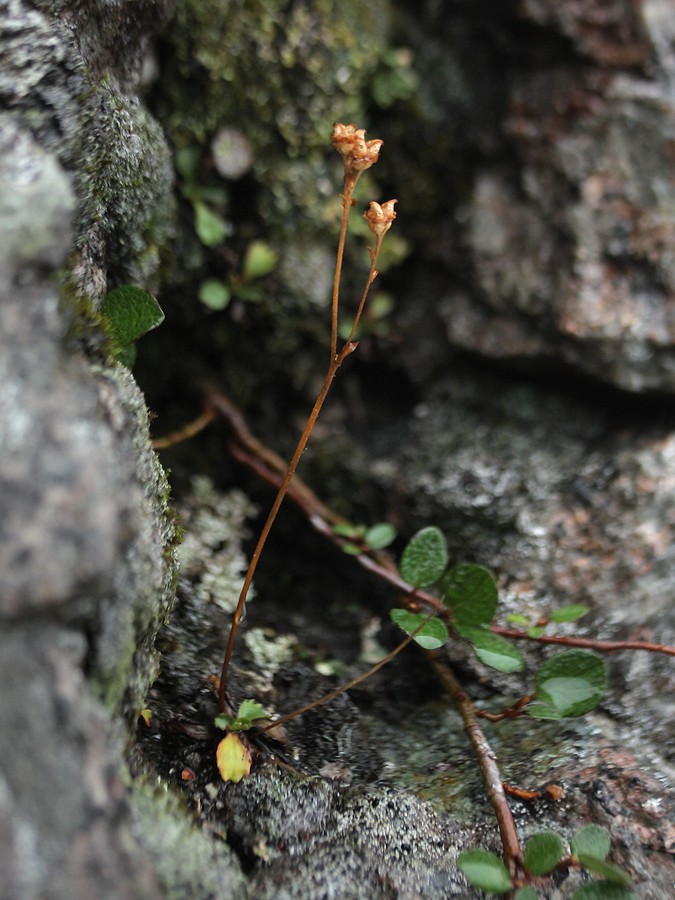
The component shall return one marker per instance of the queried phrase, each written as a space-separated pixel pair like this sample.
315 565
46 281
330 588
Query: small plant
542 854
259 260
358 155
441 601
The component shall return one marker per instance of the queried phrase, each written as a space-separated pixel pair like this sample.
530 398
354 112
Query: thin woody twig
492 778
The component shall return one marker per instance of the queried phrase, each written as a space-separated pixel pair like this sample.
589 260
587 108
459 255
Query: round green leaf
493 650
214 293
605 870
380 535
485 871
593 840
571 682
129 312
568 613
260 260
543 852
470 592
432 636
603 890
425 557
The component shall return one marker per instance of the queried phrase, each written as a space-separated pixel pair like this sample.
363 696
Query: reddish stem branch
590 643
486 760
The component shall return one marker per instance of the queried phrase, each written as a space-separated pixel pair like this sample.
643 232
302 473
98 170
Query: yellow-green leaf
233 758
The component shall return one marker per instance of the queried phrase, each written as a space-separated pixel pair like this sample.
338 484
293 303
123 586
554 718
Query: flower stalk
358 155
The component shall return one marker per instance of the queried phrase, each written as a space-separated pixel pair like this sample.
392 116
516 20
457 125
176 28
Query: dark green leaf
425 557
572 682
431 636
485 871
525 893
603 890
214 293
187 162
379 536
493 650
129 312
543 852
568 613
605 870
470 592
593 840
210 227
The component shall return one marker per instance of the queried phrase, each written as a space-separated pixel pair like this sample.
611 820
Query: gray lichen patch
210 554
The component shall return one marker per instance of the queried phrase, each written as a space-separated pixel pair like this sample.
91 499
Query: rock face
530 145
86 561
564 237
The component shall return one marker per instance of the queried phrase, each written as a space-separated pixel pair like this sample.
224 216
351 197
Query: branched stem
326 698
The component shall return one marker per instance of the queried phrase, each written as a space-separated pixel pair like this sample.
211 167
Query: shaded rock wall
86 559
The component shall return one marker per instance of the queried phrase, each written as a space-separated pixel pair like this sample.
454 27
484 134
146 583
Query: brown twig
187 431
590 643
492 778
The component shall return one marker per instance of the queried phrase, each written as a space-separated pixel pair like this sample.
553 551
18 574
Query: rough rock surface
557 240
86 560
529 144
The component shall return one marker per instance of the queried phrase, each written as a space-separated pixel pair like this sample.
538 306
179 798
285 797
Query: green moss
189 862
126 188
281 75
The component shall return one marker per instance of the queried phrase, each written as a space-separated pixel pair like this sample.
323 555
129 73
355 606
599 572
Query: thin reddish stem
278 500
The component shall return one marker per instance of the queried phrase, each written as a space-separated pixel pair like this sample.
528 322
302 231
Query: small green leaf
379 536
518 619
260 260
525 893
536 631
603 890
352 549
470 592
249 710
210 227
432 636
130 312
568 613
346 529
425 557
543 852
214 293
485 871
593 840
223 721
572 682
493 650
605 870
